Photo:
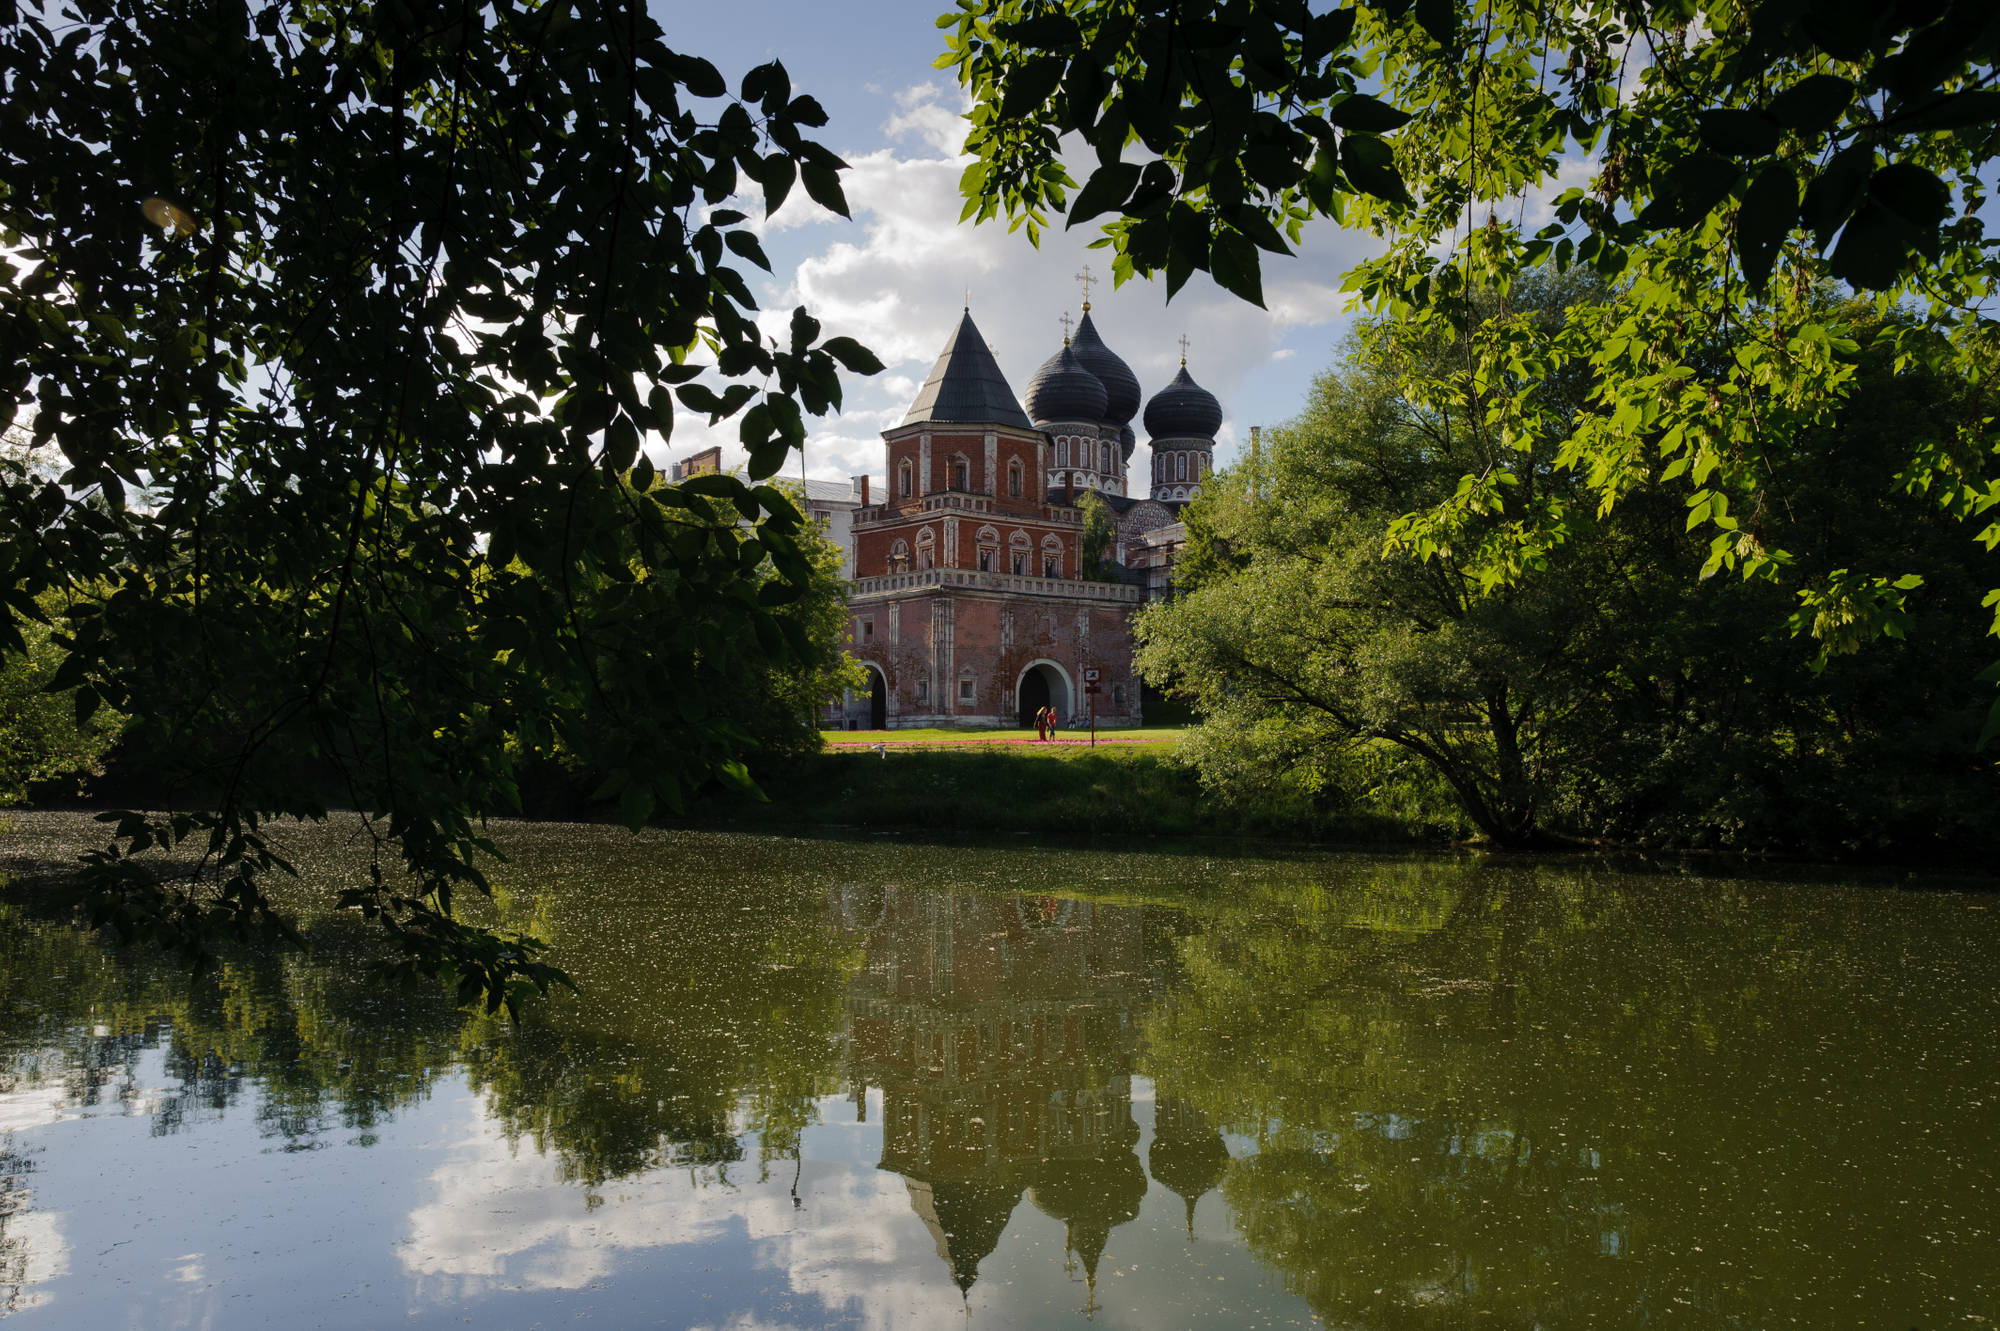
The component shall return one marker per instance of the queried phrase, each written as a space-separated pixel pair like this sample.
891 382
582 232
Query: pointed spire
966 385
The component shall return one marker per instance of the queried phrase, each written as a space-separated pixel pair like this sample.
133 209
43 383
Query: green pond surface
889 1083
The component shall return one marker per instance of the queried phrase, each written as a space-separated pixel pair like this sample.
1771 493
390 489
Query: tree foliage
1100 534
1738 152
1596 684
344 326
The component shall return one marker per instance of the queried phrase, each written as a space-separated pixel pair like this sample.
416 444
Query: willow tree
344 325
1733 154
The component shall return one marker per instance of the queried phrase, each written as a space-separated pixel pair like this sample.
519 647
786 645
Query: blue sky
895 276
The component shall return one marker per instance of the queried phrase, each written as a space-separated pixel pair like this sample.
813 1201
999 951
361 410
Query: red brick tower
968 606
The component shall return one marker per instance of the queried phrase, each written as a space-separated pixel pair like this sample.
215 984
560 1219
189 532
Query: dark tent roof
966 386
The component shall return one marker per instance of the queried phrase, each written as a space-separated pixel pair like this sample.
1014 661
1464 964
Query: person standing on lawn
1041 725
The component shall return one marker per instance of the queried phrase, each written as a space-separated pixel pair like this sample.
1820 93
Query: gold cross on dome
1184 347
1087 280
1065 324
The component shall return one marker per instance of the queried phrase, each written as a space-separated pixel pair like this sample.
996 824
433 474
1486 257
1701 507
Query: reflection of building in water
1002 1033
1188 1156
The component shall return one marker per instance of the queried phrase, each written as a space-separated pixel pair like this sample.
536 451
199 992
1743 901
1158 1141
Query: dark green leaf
1371 167
1693 188
1872 248
1107 189
1812 104
851 354
1769 208
1368 115
823 184
1961 110
1832 195
1438 18
1029 86
1912 193
1739 133
1233 262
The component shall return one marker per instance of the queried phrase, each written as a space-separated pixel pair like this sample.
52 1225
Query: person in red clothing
1041 725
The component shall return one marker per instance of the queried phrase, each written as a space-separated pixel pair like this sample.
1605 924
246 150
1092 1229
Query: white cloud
896 277
502 1219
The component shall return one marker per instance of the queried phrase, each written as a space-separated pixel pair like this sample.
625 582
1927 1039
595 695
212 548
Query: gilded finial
968 300
1087 280
1065 324
1184 347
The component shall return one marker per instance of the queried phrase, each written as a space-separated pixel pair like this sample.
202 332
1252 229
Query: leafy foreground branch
341 328
1736 156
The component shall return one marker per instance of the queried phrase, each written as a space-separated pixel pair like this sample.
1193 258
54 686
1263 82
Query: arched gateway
1044 684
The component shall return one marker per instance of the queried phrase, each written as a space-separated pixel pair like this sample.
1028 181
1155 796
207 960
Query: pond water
887 1083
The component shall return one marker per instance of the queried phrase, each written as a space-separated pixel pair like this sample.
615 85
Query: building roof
1062 390
831 492
1183 410
966 386
1121 386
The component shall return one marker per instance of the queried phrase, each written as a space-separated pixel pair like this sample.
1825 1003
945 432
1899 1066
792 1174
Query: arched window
989 548
1104 458
961 473
1014 479
1062 451
1052 557
1180 466
903 476
926 548
1018 553
899 556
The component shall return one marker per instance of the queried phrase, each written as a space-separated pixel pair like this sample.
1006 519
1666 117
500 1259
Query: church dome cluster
1062 390
1085 398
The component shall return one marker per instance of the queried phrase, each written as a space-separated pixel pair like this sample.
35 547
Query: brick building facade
969 605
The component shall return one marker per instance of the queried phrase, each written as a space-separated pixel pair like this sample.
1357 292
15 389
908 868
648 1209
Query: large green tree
344 325
1732 154
1295 634
1596 684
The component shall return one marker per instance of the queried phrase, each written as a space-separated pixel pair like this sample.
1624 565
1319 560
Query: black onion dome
1127 441
1121 386
1062 390
1183 410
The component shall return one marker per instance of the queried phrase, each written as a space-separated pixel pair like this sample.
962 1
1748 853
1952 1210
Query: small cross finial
1184 347
1065 324
1087 280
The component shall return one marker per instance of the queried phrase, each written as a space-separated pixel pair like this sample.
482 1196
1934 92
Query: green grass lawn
1154 738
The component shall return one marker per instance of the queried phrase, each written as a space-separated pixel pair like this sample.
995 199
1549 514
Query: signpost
1091 688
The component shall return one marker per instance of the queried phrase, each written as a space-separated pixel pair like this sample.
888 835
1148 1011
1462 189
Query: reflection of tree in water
1002 1034
323 1043
704 1019
1588 1102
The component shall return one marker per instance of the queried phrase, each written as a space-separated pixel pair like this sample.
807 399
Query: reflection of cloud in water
33 1248
500 1220
36 1108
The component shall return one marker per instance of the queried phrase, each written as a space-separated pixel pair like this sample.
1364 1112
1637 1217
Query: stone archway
878 698
1044 684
